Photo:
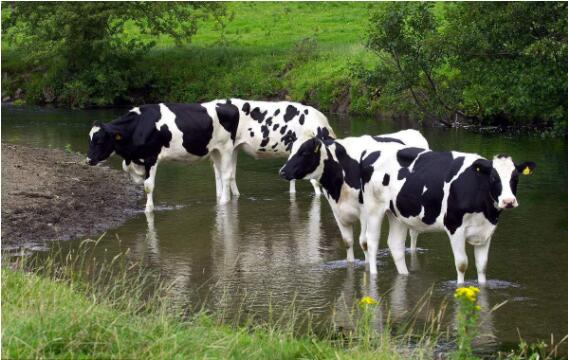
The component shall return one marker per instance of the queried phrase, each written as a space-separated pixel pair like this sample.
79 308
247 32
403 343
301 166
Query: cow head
305 160
503 176
101 144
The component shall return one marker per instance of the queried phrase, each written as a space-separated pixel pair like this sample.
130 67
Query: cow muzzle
91 162
284 175
508 203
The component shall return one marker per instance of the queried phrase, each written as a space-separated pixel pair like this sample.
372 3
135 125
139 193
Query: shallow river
270 248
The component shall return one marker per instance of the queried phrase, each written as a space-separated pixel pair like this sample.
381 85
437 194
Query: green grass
78 306
264 55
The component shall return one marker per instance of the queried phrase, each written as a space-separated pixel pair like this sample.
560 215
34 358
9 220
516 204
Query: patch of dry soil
53 195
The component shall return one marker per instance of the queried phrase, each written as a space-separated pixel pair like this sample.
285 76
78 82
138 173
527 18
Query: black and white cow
269 129
149 134
338 166
458 193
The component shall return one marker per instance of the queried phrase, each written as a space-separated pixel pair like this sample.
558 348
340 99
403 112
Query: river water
266 250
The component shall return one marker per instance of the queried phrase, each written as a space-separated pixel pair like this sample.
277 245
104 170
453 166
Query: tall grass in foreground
75 305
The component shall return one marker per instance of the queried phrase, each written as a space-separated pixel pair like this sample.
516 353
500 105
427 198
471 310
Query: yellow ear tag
317 149
527 171
118 137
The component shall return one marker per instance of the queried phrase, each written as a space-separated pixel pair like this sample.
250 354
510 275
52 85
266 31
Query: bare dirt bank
53 195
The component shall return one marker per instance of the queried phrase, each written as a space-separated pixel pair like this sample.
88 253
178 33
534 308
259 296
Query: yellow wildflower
470 293
367 300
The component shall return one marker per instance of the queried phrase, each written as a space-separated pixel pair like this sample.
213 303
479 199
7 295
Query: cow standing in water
149 134
270 129
458 193
337 165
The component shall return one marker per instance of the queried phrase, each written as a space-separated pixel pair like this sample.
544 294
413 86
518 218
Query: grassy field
72 307
303 51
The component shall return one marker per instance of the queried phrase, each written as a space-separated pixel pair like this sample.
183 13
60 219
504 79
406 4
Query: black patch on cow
277 112
265 131
514 181
283 129
228 115
430 170
252 134
275 127
257 115
275 145
196 126
269 121
306 111
246 108
263 150
366 170
406 156
332 177
455 168
470 193
350 166
291 112
264 142
387 139
166 135
289 139
386 179
366 166
302 117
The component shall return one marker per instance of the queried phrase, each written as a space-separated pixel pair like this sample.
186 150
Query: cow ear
526 168
482 166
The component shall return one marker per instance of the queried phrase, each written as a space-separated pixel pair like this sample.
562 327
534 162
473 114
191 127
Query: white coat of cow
337 165
458 193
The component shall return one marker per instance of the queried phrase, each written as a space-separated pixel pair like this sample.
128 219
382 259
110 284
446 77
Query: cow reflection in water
255 264
179 272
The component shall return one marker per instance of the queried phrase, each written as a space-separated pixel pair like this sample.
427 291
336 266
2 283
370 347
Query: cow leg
413 240
316 185
374 220
226 167
218 182
234 188
396 242
149 186
347 236
457 241
363 238
292 186
481 255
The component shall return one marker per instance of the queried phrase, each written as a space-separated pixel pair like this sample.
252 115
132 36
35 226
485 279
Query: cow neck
332 177
125 126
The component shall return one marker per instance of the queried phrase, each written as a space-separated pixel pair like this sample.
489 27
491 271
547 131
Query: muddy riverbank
52 194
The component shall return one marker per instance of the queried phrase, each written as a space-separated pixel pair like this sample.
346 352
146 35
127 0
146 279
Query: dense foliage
82 53
497 63
486 63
